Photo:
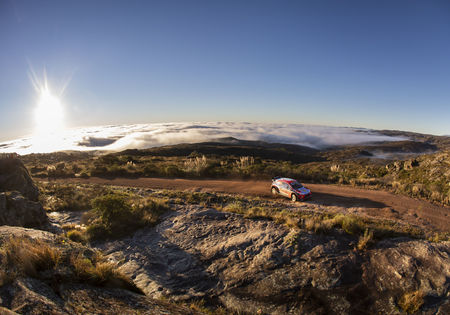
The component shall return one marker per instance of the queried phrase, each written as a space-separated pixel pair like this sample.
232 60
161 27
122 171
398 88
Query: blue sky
375 64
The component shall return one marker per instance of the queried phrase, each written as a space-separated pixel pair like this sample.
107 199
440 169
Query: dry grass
200 307
439 237
411 302
365 240
149 209
235 207
196 164
317 225
326 223
92 270
349 223
98 271
68 226
24 256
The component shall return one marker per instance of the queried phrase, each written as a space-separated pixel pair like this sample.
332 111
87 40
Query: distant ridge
229 146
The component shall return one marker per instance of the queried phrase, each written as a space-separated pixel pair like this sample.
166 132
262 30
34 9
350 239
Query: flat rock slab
197 251
16 231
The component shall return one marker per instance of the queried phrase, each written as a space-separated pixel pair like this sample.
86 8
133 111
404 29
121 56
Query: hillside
442 142
234 147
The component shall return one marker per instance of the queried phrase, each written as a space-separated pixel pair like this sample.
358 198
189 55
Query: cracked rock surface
252 265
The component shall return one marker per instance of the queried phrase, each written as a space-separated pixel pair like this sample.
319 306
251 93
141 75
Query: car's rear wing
275 178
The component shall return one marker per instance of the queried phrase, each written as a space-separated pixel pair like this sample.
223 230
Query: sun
49 114
49 117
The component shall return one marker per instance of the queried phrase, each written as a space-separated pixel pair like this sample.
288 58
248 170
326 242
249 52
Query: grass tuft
411 302
77 236
25 256
365 240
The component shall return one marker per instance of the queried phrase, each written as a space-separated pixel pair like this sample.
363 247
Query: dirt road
372 202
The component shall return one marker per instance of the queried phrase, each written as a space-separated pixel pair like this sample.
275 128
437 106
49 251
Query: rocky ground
254 265
245 265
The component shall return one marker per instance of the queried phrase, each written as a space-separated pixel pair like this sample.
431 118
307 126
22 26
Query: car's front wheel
294 197
274 191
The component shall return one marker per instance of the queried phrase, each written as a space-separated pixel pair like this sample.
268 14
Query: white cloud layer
121 137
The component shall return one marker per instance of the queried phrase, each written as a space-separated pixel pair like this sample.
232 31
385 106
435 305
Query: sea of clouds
141 136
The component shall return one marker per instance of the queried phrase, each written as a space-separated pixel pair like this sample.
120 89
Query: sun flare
49 114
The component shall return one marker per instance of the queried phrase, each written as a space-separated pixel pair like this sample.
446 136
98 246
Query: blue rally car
290 188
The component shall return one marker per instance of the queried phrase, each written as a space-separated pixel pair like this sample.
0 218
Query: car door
285 190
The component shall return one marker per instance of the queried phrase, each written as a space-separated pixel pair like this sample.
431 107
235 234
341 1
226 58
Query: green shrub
150 170
99 170
115 215
97 231
173 170
112 209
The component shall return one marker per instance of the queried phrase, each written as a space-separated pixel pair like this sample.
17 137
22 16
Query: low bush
112 209
116 215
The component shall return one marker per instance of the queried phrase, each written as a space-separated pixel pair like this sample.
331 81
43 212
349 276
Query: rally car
290 188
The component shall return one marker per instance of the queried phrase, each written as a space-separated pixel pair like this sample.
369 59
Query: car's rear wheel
274 191
294 197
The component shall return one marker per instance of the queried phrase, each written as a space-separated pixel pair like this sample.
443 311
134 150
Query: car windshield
296 185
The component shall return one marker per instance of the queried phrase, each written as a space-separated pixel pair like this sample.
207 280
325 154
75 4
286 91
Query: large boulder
15 176
16 210
19 204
